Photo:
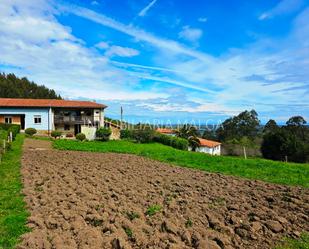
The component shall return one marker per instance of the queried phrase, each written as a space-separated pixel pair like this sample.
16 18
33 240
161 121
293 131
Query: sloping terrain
105 200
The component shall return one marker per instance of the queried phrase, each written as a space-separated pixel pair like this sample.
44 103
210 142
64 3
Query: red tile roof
7 102
208 143
165 130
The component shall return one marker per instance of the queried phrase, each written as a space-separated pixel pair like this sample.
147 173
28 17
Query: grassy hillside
260 169
12 207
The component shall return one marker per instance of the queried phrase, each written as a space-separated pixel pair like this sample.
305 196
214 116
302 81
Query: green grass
301 243
13 215
3 134
152 210
261 169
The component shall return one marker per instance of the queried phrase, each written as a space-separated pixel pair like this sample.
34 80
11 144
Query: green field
260 169
12 207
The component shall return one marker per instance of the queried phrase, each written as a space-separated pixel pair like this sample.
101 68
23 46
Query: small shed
209 146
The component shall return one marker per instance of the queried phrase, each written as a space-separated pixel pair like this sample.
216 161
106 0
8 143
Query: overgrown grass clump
153 209
301 243
260 169
13 215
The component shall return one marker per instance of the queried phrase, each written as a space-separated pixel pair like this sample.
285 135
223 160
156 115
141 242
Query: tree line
13 87
289 142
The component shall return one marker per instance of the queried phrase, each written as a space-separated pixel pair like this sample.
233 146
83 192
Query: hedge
175 142
126 134
148 136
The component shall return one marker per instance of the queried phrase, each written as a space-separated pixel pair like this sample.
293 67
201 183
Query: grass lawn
13 215
261 169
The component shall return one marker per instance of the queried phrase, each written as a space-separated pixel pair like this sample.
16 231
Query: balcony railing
61 119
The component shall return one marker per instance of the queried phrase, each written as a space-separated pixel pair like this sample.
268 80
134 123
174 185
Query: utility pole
121 117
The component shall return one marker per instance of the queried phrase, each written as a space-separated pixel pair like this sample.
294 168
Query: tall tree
296 121
209 134
270 126
290 142
245 124
297 126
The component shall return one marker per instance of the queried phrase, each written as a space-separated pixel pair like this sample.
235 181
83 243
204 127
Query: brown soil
96 200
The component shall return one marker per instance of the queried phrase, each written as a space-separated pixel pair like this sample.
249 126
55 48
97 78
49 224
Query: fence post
11 137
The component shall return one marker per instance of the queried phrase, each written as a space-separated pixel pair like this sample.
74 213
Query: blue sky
164 59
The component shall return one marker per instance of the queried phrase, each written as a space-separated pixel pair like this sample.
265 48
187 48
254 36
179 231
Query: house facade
209 147
46 115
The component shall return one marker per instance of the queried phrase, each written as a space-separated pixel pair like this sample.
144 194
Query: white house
46 115
209 146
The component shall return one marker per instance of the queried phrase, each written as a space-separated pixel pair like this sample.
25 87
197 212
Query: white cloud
61 61
102 45
283 7
185 107
34 44
203 19
121 51
190 34
94 3
144 11
138 34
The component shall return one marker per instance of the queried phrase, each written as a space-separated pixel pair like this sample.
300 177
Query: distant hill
13 87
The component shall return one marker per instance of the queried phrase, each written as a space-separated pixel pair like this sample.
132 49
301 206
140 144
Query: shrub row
148 136
175 142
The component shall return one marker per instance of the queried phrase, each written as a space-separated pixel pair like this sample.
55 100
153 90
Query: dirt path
96 200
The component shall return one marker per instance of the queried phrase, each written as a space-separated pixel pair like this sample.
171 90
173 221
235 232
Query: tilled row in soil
95 200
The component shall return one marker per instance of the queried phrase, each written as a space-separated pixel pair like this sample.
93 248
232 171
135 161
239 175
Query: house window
8 120
37 119
67 127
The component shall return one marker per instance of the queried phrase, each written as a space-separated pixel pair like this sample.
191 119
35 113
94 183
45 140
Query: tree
296 121
190 133
186 131
209 134
297 125
284 144
270 126
194 142
244 124
14 87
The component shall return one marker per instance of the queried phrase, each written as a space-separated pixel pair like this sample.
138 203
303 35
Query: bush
103 134
126 134
30 131
80 136
143 136
56 134
14 128
175 142
3 134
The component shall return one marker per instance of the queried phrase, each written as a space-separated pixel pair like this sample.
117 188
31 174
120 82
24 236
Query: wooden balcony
62 119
